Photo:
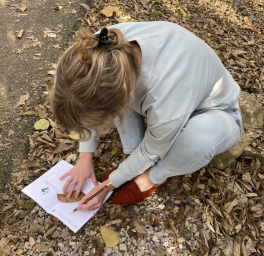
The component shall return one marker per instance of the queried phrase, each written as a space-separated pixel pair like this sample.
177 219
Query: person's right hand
83 170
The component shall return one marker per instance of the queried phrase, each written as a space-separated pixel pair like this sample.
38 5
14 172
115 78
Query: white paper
44 191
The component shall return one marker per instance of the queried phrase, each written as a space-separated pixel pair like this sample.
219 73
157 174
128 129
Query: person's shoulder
143 24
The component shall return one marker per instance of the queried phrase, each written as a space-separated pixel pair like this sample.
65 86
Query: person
131 71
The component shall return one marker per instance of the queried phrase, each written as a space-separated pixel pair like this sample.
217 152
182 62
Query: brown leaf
30 164
63 197
229 219
140 230
45 245
22 100
143 2
229 206
109 11
62 147
260 246
246 177
23 7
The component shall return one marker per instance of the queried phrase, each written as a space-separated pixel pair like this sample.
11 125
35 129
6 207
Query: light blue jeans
205 135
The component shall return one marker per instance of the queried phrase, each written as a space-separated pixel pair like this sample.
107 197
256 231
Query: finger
64 175
88 207
79 188
67 183
85 198
94 180
72 187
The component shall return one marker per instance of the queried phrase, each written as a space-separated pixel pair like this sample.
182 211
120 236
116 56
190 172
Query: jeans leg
134 130
204 136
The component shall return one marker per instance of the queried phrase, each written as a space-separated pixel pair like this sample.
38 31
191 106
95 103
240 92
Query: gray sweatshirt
180 74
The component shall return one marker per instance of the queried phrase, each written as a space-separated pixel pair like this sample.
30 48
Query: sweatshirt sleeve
90 145
156 144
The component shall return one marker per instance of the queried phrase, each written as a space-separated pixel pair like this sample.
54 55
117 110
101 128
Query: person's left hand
97 201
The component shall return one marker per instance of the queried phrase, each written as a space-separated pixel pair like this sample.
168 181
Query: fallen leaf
21 215
42 124
229 219
22 100
260 246
41 111
109 11
113 152
110 236
10 133
74 135
246 177
63 197
45 245
23 7
62 147
144 4
4 245
51 72
30 164
20 34
229 206
85 6
140 230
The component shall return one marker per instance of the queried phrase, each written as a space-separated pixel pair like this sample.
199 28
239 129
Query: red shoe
107 175
131 194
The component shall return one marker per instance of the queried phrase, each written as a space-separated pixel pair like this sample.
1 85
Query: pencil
94 195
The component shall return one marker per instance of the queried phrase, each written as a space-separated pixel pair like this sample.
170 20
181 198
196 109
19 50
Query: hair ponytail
92 84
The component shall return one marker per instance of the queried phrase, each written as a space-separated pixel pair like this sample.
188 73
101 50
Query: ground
211 212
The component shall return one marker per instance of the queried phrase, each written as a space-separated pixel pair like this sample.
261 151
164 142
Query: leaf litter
210 212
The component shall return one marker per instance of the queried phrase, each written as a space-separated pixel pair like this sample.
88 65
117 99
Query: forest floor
210 212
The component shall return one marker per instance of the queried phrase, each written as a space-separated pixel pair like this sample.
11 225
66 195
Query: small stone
108 250
2 241
155 239
122 247
161 206
165 244
61 245
86 253
73 244
31 241
194 228
27 245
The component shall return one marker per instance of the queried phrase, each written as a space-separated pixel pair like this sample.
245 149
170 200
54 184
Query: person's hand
83 170
97 201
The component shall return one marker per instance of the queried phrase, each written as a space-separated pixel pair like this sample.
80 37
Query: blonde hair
92 84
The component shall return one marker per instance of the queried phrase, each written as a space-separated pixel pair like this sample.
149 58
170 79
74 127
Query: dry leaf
229 219
62 147
109 11
110 236
246 177
140 230
41 111
85 6
144 4
23 7
42 124
29 164
63 197
74 135
260 246
22 99
20 34
45 246
229 206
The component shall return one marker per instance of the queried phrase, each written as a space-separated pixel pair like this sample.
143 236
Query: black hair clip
103 39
